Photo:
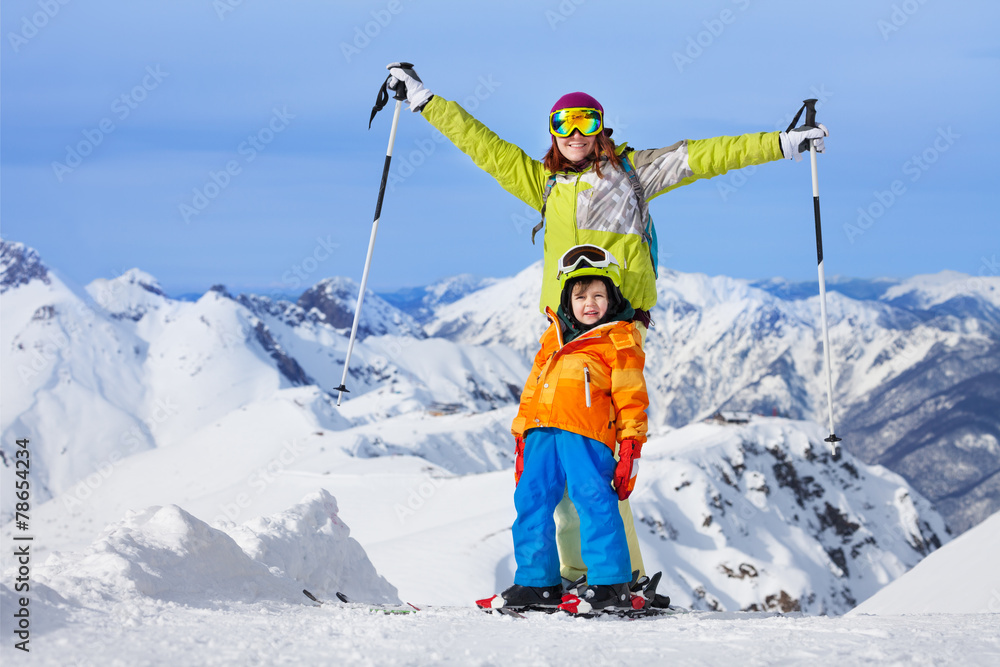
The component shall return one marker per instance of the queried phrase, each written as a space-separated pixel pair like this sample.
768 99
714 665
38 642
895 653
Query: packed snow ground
283 634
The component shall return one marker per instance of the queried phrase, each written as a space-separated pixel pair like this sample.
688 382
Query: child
586 393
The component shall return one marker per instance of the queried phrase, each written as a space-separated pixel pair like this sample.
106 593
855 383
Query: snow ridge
167 554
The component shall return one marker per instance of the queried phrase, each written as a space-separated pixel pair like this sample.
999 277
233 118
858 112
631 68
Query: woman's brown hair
555 162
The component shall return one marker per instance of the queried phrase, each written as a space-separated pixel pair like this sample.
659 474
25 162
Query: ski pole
380 102
810 109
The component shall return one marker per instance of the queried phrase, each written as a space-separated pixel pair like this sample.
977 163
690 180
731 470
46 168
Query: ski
611 613
632 614
371 607
504 611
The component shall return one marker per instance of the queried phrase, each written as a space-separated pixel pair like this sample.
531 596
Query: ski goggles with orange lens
585 255
563 122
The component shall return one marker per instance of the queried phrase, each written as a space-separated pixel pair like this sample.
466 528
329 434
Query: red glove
518 458
628 465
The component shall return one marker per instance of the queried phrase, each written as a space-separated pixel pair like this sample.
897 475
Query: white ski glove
796 142
416 94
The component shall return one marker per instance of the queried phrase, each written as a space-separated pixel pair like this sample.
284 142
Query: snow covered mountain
916 366
722 506
423 302
503 313
93 376
333 301
70 371
228 398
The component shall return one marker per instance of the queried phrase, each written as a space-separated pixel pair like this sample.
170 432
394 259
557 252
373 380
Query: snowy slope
961 578
161 587
274 633
166 553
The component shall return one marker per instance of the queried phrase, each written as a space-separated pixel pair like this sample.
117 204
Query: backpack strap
545 197
640 196
648 229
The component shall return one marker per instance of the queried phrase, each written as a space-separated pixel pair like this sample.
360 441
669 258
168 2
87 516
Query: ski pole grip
810 106
383 92
400 88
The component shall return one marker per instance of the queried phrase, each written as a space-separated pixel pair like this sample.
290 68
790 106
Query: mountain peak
335 300
144 280
129 296
331 297
19 265
221 290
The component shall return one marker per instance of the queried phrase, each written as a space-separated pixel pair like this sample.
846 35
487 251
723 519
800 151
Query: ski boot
524 597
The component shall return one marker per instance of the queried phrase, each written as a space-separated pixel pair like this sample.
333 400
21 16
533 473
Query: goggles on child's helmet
588 260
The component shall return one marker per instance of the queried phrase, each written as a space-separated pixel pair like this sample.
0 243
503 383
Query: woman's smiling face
576 147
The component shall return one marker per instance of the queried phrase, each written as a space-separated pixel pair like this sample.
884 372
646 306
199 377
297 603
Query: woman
583 190
591 200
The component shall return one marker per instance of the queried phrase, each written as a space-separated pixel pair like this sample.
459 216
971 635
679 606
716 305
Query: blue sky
116 116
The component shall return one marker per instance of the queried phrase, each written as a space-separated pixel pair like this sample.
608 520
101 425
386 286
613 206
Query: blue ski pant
556 461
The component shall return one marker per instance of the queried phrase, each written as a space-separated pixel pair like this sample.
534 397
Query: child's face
590 303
